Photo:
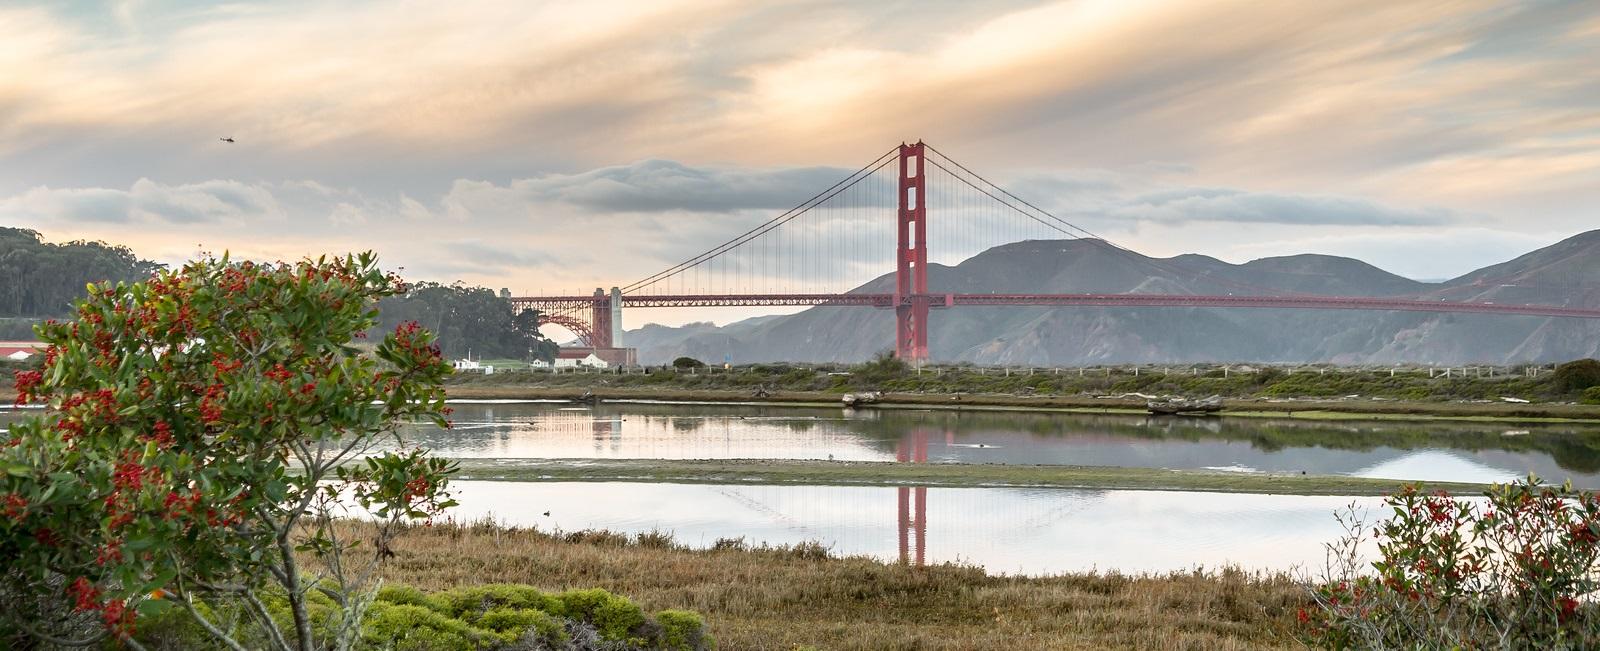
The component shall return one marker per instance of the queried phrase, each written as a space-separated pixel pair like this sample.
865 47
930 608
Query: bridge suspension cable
769 225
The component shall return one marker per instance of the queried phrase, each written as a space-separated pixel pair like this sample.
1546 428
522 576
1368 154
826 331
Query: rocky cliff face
1566 273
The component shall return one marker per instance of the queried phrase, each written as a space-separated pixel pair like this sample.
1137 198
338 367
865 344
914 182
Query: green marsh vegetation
746 472
1306 392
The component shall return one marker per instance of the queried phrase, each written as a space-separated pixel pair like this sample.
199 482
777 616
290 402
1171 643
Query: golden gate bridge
839 237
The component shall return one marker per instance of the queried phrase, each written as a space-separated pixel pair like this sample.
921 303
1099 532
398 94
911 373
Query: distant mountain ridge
1566 273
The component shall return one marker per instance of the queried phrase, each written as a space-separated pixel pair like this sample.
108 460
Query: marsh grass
804 472
602 386
763 597
889 375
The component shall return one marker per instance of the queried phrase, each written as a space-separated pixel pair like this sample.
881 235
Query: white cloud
616 224
145 202
1227 205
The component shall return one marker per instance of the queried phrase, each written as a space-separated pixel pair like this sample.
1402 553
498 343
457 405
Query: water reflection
913 501
1026 531
1384 449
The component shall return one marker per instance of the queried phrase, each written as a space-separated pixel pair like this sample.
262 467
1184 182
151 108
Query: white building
579 357
472 366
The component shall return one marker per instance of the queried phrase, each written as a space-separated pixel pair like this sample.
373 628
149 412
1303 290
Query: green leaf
150 607
140 543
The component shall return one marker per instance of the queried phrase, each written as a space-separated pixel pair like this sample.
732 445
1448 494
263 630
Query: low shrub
682 630
730 544
470 603
404 627
492 617
1516 570
615 617
405 595
600 537
656 539
525 623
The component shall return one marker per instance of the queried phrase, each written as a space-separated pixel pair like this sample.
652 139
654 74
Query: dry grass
793 598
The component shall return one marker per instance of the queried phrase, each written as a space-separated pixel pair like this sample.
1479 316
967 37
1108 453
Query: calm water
1005 530
1385 449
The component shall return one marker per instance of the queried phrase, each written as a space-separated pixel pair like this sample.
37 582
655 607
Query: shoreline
779 472
1232 407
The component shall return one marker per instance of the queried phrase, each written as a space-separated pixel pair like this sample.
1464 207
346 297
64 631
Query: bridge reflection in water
912 523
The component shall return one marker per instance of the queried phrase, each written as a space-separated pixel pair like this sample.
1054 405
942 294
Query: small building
614 357
579 357
471 366
539 363
18 351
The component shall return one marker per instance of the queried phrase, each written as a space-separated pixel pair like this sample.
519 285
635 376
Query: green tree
202 428
42 280
883 367
469 320
1578 375
687 362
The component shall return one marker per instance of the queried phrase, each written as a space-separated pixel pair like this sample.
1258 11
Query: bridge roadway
559 304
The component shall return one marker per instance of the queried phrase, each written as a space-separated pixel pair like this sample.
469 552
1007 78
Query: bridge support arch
579 327
911 258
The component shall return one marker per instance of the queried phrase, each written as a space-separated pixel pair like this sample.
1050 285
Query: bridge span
848 227
610 304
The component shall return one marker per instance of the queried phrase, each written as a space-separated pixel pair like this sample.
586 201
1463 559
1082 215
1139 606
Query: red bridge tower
911 259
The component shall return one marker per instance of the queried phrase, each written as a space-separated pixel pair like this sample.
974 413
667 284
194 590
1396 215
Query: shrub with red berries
199 428
1518 569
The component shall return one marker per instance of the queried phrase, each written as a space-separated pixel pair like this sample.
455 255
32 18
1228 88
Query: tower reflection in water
912 524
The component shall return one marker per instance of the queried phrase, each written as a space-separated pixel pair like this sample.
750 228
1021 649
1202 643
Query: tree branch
183 600
260 611
61 641
128 641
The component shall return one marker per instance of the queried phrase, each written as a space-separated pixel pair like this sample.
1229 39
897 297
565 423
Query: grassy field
797 598
866 473
1320 393
516 386
1414 384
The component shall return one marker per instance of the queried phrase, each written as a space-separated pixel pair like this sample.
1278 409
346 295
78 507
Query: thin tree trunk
297 597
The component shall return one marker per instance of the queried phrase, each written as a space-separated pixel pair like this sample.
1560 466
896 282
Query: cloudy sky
562 146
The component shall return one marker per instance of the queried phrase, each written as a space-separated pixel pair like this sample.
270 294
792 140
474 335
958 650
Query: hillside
1565 273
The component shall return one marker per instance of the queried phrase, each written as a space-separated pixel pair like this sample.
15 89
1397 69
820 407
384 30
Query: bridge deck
564 303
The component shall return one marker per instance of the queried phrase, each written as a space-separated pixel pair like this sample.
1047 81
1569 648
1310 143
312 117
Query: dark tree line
467 319
39 279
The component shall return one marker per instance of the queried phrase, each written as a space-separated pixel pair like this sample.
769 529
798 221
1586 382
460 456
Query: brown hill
1566 273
